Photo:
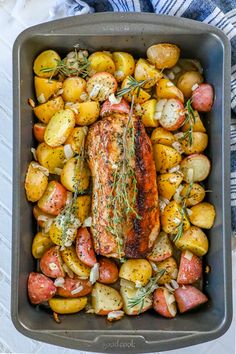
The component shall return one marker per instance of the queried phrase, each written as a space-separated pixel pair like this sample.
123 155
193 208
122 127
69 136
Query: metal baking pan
149 332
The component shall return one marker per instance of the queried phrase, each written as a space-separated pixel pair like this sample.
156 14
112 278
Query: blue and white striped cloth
220 13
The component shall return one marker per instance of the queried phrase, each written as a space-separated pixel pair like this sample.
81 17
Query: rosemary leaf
191 120
132 86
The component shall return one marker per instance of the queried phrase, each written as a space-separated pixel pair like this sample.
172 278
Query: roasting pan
149 332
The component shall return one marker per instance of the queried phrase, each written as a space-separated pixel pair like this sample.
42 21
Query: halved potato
195 168
70 258
129 292
54 198
75 175
77 138
45 88
146 71
101 62
140 95
50 157
193 195
168 183
172 217
105 299
100 86
45 64
165 157
73 87
35 182
45 111
171 270
41 243
203 215
199 143
136 270
56 233
166 89
148 113
67 306
162 248
194 240
197 126
82 207
162 136
163 55
124 63
86 113
187 81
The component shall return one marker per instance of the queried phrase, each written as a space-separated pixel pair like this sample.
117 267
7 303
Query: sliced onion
33 150
68 271
179 135
170 84
177 196
119 74
94 273
47 225
127 284
188 255
174 169
60 91
154 266
90 311
189 211
83 97
168 287
115 315
164 200
194 87
57 171
59 282
157 115
88 222
170 299
174 284
68 151
77 290
41 98
68 198
176 69
95 91
42 217
53 266
41 168
113 99
171 75
31 102
177 146
138 284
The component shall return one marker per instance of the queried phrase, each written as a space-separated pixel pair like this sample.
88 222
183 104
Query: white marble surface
12 23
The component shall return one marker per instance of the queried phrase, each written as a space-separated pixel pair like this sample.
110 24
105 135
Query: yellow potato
86 113
168 183
124 63
73 87
41 243
148 113
101 61
165 157
67 306
166 89
162 136
197 126
45 64
171 270
187 80
72 175
56 233
83 207
45 88
140 96
163 55
193 195
59 128
199 143
172 217
45 111
70 258
105 299
77 138
203 215
50 157
146 71
194 240
136 270
162 248
128 293
35 182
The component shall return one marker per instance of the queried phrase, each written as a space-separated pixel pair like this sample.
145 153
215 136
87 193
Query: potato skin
108 271
188 297
86 113
72 284
70 258
45 111
67 306
101 61
194 240
41 243
171 270
202 98
51 263
37 212
136 270
124 64
108 108
146 71
168 183
199 163
40 288
187 80
160 304
166 89
163 55
171 218
84 247
46 59
73 87
162 136
36 183
105 299
50 157
203 215
71 174
190 270
53 199
199 143
195 195
45 88
162 248
165 157
39 130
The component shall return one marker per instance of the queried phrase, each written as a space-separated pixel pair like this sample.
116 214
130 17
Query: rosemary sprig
132 86
145 291
191 120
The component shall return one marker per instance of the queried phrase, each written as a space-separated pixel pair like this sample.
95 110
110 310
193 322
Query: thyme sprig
145 291
132 86
191 120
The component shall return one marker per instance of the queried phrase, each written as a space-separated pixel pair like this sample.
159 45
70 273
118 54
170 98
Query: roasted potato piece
105 299
41 243
41 217
190 268
53 199
108 107
71 174
86 113
188 297
195 168
164 303
136 270
168 183
35 182
202 98
172 217
67 306
70 258
39 130
73 88
50 157
203 215
40 288
59 128
171 270
193 194
72 288
128 293
57 236
187 81
124 63
100 86
162 136
170 113
146 71
84 247
45 111
166 89
45 64
148 113
199 143
140 95
108 271
51 263
101 62
165 157
82 207
77 138
45 88
162 248
197 126
194 240
163 55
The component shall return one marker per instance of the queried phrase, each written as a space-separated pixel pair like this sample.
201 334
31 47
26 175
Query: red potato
40 288
51 263
170 113
164 303
75 287
53 199
190 268
84 247
39 130
188 297
202 98
40 216
108 271
109 107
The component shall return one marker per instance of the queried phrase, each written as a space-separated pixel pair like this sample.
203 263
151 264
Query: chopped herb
132 86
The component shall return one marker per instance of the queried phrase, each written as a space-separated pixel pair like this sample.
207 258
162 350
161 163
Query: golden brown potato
162 136
41 243
59 128
124 63
162 248
72 175
54 198
165 157
140 95
203 215
45 64
168 183
197 126
171 270
83 207
105 299
163 55
70 258
136 270
86 113
50 157
45 111
199 143
187 81
194 240
45 88
193 195
148 113
101 61
146 71
35 182
100 86
172 217
73 87
195 168
57 237
166 89
129 292
67 306
77 138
